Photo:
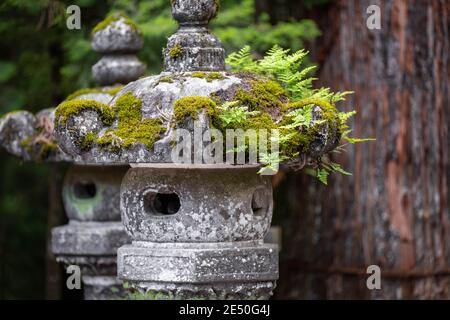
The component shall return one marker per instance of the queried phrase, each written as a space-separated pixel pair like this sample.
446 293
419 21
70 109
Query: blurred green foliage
41 62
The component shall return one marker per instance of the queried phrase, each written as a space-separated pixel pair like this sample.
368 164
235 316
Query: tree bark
394 211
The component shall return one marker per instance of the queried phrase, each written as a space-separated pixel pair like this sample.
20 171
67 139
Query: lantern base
223 270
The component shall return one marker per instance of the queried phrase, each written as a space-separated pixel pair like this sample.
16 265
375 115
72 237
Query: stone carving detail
193 47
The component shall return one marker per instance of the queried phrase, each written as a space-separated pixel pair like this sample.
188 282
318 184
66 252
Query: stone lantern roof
138 125
31 137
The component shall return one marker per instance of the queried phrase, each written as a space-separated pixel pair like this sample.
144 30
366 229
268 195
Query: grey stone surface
117 36
103 288
118 42
230 270
88 238
16 127
91 193
119 68
214 205
29 136
197 49
223 262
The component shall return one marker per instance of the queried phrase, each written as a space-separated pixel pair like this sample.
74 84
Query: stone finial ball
117 33
194 11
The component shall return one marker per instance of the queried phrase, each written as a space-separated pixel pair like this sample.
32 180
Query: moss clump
81 92
74 107
208 76
131 128
176 51
113 18
267 95
192 106
167 79
330 113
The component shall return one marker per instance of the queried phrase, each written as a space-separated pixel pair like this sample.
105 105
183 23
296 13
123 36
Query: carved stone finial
118 39
193 47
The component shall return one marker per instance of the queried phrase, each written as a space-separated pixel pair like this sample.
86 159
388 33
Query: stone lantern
90 193
197 229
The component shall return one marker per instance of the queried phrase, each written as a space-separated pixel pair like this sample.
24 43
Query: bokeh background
394 210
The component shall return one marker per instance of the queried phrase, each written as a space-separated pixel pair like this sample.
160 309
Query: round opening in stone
84 190
162 203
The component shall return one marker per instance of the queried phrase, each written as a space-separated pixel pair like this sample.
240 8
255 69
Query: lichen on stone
175 51
208 76
113 18
74 107
166 79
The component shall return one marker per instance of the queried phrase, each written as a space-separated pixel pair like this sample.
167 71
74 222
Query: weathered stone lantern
197 229
90 193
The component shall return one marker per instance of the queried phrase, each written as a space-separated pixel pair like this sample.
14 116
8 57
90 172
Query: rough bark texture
394 210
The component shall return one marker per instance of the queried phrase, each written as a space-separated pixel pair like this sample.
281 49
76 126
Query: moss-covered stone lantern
197 219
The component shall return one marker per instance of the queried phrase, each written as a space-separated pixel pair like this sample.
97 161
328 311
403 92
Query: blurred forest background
394 210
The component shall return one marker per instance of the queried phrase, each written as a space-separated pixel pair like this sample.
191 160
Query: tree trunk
394 211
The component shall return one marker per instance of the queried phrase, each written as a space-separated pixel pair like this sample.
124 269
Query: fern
234 114
301 117
322 175
242 60
271 162
291 70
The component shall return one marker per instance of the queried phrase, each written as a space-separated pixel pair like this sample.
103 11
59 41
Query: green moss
74 107
192 106
175 51
150 295
167 79
264 95
113 18
131 128
208 76
261 121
